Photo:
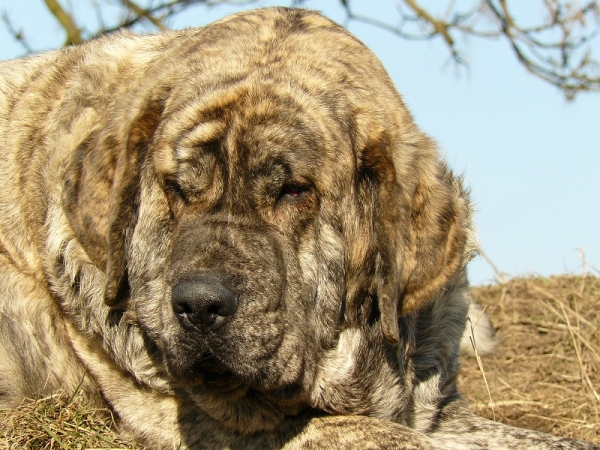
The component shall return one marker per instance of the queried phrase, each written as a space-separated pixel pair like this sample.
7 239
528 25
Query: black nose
203 301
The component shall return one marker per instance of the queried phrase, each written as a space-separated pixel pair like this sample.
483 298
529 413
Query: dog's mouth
206 371
216 376
209 373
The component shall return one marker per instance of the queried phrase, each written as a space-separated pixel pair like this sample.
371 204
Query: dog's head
268 192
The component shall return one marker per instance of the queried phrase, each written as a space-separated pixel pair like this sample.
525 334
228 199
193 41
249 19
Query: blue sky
531 159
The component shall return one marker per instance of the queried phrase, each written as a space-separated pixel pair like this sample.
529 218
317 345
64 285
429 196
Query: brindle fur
270 152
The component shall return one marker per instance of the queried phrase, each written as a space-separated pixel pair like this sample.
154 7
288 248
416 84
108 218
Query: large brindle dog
236 237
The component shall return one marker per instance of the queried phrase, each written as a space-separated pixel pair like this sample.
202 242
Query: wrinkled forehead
254 121
275 83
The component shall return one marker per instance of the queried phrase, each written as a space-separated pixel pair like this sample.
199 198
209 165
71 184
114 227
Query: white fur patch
337 365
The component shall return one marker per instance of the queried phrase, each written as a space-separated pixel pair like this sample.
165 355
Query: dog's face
244 191
270 193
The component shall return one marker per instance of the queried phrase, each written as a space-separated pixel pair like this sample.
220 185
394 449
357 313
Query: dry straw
545 374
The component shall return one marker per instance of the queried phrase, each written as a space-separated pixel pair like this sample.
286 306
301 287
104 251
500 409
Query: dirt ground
545 374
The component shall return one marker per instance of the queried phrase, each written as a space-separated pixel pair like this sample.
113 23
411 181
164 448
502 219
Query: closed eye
293 192
296 202
174 190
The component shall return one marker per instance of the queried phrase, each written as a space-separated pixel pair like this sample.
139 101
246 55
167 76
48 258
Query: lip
207 372
224 382
216 375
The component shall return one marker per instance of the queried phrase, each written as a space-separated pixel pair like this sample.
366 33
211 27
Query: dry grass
545 375
59 422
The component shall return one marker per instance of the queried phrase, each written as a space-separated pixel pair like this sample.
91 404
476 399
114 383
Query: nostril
213 309
203 301
182 308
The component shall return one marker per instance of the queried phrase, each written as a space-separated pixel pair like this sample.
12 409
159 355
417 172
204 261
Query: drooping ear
440 226
100 194
373 267
421 226
123 198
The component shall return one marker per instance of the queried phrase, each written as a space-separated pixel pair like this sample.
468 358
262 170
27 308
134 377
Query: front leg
457 424
36 358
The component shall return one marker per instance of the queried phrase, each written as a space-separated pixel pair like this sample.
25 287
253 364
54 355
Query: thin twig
17 35
479 362
500 276
141 12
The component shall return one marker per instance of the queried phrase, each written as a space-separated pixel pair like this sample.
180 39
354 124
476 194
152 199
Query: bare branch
573 72
557 48
440 27
141 12
67 22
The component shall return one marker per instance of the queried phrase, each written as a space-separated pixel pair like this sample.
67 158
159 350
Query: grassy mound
546 372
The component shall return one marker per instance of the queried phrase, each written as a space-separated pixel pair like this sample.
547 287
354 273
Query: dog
236 237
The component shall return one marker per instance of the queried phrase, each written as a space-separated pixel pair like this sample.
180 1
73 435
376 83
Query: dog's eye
176 197
174 190
293 191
